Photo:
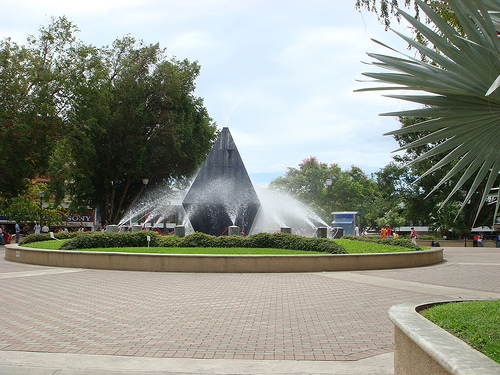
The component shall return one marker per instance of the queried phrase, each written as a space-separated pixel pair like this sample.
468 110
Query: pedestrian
45 228
356 230
1 235
18 231
498 240
38 228
389 231
480 240
383 232
6 235
413 235
474 240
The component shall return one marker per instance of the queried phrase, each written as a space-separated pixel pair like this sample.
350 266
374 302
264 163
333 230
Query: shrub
197 239
260 240
46 237
232 241
404 242
101 239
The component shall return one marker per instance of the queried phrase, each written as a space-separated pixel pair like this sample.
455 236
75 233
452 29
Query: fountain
222 193
223 200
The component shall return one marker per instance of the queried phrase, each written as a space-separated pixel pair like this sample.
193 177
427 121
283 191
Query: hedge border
88 240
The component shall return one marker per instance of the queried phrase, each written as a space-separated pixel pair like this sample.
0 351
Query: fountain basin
221 263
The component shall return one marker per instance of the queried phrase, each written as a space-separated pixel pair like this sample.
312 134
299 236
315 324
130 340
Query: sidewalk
82 321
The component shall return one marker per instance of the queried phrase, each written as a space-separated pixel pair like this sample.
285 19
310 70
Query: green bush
90 240
232 241
260 240
294 242
46 237
404 242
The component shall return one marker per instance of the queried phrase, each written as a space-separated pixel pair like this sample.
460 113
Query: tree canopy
97 121
32 103
350 190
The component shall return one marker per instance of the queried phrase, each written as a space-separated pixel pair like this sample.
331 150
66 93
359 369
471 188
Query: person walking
356 230
383 232
413 235
474 240
498 240
18 231
38 228
480 240
389 231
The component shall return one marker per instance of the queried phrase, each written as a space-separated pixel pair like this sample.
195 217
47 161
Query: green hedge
404 242
260 240
46 237
91 240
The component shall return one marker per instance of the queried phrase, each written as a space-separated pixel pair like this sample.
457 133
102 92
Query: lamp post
329 183
41 206
145 182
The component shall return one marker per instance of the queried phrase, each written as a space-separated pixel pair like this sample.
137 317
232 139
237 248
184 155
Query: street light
329 183
41 194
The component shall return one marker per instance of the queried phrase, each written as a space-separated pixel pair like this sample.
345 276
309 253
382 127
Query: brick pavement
473 268
300 316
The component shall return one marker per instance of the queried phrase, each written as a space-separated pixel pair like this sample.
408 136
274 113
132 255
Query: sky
279 74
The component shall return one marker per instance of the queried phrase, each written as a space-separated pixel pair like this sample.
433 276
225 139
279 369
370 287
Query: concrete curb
222 263
423 347
22 363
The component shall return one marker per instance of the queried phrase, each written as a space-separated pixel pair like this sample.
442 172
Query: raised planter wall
222 263
421 347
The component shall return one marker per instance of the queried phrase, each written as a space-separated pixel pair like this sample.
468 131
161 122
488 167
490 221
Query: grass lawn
358 247
352 247
54 245
475 322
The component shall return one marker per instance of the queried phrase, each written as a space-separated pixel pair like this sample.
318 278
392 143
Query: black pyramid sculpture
222 193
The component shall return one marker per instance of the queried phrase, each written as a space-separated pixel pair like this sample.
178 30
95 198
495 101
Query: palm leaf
458 81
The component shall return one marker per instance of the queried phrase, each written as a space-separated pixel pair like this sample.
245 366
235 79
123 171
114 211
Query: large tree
458 87
350 190
33 100
98 121
399 181
135 118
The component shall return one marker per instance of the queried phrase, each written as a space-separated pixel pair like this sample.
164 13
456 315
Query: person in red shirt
413 235
389 231
474 243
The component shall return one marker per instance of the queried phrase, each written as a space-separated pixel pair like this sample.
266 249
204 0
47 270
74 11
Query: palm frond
459 82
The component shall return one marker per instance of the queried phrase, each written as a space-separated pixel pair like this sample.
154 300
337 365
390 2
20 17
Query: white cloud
280 74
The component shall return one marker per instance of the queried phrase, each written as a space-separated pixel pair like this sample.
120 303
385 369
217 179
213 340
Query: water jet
223 200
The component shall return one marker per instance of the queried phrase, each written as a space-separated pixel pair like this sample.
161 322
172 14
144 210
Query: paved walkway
83 321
